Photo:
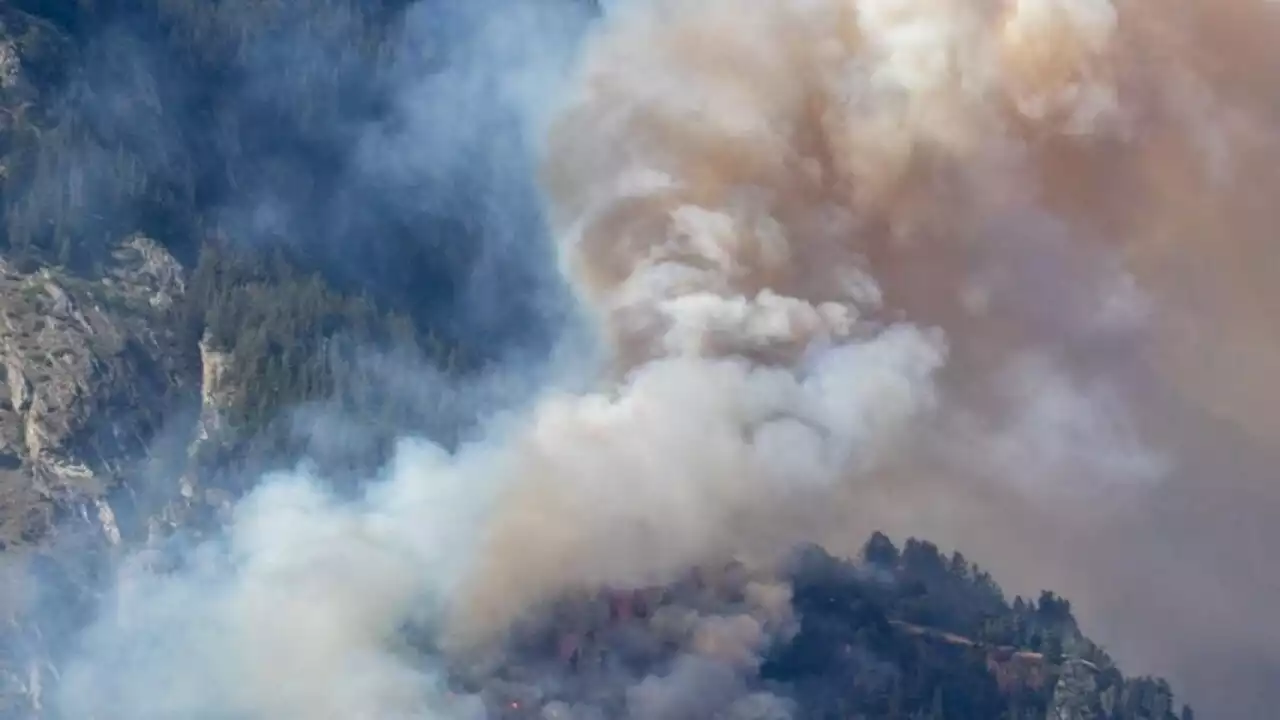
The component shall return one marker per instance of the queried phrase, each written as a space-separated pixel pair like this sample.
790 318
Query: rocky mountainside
152 344
91 366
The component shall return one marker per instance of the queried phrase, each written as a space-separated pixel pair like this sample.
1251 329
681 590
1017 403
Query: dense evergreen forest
238 134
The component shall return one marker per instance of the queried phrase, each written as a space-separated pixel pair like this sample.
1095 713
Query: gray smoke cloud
294 614
995 273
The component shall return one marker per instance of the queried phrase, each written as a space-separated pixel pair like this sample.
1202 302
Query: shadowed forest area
231 133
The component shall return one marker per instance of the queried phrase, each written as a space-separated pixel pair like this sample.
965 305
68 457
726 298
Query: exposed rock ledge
89 368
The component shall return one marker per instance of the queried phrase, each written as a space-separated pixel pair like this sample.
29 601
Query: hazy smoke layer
999 273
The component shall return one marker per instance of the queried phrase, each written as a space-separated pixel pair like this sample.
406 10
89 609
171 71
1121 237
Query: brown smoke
770 204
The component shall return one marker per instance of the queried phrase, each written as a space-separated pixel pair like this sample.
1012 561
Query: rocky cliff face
91 366
94 367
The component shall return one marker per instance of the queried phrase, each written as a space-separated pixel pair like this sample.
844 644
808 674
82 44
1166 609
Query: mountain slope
157 329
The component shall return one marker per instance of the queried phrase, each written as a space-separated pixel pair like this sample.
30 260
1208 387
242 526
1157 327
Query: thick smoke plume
996 272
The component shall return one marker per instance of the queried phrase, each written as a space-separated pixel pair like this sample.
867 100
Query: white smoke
297 613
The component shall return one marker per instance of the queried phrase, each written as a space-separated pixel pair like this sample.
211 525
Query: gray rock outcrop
90 367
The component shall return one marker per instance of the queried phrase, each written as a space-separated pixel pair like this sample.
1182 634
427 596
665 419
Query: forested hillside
231 133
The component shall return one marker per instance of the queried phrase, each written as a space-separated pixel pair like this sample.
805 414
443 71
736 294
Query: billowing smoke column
969 268
723 183
777 211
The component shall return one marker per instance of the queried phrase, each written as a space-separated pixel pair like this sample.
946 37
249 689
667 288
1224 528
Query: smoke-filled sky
998 273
